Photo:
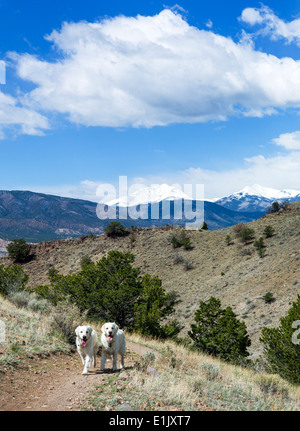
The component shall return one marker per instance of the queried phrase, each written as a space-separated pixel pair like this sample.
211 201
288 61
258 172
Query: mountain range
257 198
40 217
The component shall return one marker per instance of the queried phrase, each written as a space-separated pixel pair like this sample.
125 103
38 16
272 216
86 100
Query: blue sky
194 92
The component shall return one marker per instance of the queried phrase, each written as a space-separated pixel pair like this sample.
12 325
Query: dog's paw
84 372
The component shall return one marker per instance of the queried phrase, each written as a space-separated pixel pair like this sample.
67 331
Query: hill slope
246 276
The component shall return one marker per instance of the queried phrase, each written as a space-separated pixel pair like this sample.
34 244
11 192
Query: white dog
87 346
113 344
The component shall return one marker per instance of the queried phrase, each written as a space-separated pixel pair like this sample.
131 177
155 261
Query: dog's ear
90 329
116 327
103 328
77 330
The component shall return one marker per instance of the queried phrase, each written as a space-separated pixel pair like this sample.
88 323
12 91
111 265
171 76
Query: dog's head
83 333
109 330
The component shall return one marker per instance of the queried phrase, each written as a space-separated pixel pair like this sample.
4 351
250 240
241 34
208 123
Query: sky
162 93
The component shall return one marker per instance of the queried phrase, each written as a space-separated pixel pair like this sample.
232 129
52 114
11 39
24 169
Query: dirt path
55 383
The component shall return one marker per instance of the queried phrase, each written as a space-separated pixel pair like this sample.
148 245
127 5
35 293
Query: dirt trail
55 383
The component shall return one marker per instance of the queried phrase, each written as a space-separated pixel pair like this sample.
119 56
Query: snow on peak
267 192
145 195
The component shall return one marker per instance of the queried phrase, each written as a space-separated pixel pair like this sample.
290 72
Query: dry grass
190 381
27 333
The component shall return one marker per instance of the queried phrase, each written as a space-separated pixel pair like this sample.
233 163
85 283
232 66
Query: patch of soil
54 383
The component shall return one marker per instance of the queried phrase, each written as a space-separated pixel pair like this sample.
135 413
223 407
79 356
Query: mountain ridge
40 217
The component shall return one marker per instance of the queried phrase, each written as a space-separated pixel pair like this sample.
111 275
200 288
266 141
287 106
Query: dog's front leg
87 364
81 357
122 361
103 360
115 357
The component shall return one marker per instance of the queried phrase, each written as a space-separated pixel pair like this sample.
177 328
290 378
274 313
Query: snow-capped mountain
145 195
257 198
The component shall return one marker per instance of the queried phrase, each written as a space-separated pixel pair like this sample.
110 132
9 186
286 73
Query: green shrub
153 306
85 261
269 231
228 239
181 240
19 251
12 279
281 346
260 246
115 229
204 226
108 289
218 332
53 272
246 234
268 297
275 207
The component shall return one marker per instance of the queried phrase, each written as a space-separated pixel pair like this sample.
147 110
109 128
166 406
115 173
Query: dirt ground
55 383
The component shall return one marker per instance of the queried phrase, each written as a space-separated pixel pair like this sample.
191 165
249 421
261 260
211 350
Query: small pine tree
269 231
260 246
281 349
219 333
85 261
19 251
181 240
246 234
115 229
275 207
268 297
228 239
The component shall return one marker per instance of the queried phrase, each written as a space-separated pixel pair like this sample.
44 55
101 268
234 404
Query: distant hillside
39 217
234 273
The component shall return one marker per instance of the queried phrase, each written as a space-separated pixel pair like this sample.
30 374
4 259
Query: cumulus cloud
278 172
14 116
291 141
156 70
272 25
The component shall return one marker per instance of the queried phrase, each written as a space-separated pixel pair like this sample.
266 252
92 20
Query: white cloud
271 25
19 118
156 70
291 141
278 172
209 24
252 16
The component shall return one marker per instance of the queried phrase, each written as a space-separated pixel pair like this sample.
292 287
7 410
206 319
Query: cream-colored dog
113 344
87 346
